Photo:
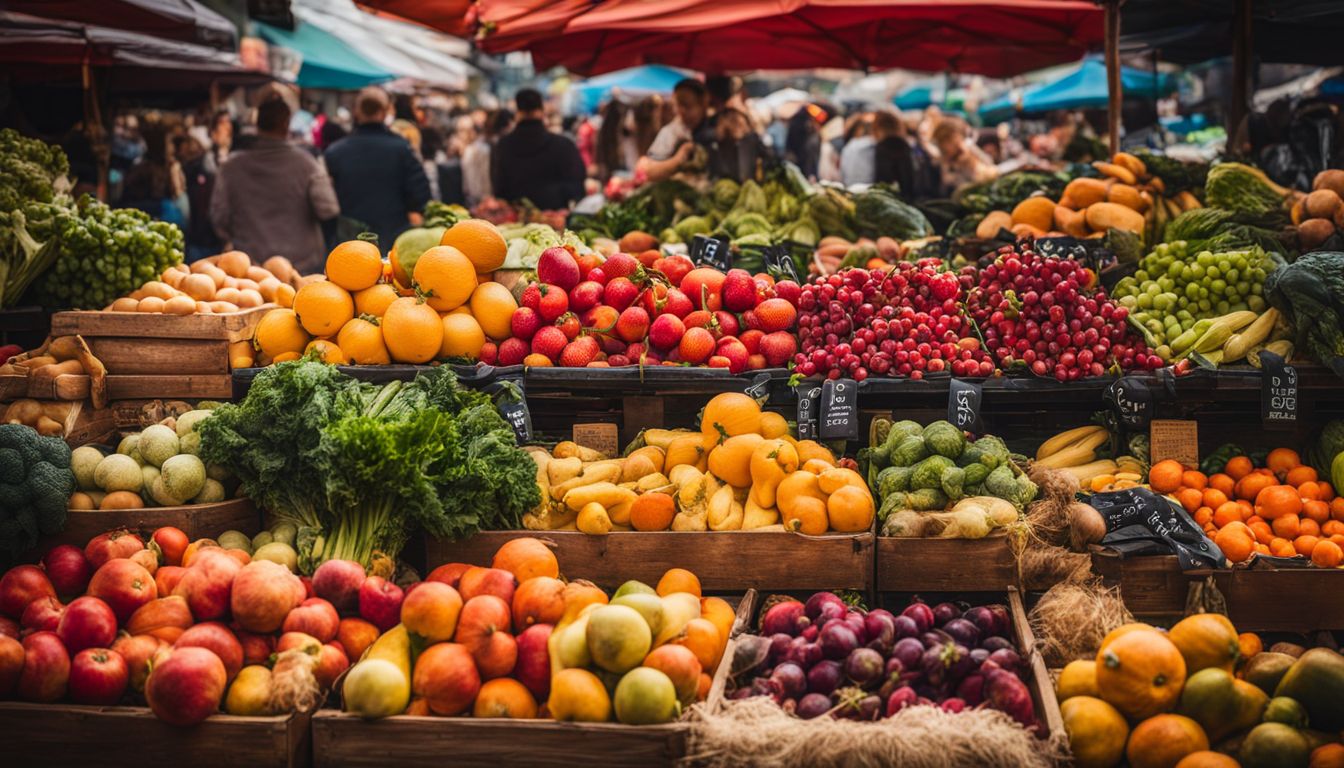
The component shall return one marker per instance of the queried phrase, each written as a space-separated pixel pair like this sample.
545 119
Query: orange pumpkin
730 414
1120 632
1206 640
1207 759
1140 673
1164 741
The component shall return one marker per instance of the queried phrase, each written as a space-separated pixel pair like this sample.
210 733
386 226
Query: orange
362 341
284 296
702 637
1165 476
1212 497
1203 516
1327 554
1190 498
444 277
327 352
1223 483
1280 460
480 241
323 307
278 332
1277 501
375 300
1308 527
1263 533
1327 756
1261 549
1235 544
652 512
1299 475
412 331
1316 510
1337 508
1246 509
1192 478
1252 519
355 265
721 614
1238 467
1281 547
1250 486
1226 513
493 306
1338 538
678 580
1249 644
462 337
1288 526
504 697
1304 544
1332 528
1325 491
526 558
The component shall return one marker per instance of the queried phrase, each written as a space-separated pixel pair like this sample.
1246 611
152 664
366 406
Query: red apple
338 582
533 668
11 665
487 581
355 635
446 677
137 651
68 569
216 638
22 585
186 687
315 616
257 649
124 586
263 595
164 617
87 623
46 668
9 627
330 665
307 582
450 573
300 641
43 614
167 577
98 676
112 545
483 629
380 602
208 583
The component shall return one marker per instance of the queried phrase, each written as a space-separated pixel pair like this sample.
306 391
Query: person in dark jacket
379 181
893 157
533 163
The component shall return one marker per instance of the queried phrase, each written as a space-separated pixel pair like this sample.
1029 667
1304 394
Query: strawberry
751 339
585 295
554 302
549 341
751 321
755 362
597 275
570 325
634 351
579 352
653 299
633 324
616 361
650 357
677 303
666 331
557 266
489 352
719 361
696 345
778 348
736 353
587 261
702 286
512 351
738 291
788 291
531 297
620 293
598 364
727 322
674 267
775 315
621 265
525 322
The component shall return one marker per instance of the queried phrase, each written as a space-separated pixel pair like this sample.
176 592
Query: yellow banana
1066 438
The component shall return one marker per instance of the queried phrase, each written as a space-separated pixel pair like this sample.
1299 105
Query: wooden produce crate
121 387
944 565
1283 599
134 343
197 521
725 561
1151 585
111 737
341 740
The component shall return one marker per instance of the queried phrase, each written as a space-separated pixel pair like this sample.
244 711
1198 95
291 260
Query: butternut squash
1128 196
1083 192
1104 216
1116 172
755 516
771 462
725 511
1070 222
1039 212
1134 164
685 449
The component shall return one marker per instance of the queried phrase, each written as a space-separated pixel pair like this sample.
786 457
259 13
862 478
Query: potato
124 305
151 304
180 305
1312 232
1322 204
1332 179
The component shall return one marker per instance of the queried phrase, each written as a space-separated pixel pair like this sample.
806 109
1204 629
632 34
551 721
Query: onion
880 628
894 667
900 699
791 679
869 708
959 663
945 612
963 632
764 686
825 677
971 689
952 705
996 643
1002 623
814 603
983 619
779 646
863 666
922 615
909 651
1007 658
803 653
749 653
978 656
810 632
855 621
829 612
935 637
1006 693
813 705
838 640
786 617
931 664
1086 526
741 693
905 627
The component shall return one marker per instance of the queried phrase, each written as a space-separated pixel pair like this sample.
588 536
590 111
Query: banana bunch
1075 451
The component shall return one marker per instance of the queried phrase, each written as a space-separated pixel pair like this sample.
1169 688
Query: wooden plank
1042 687
13 386
58 734
1151 585
725 561
187 387
1285 600
944 565
197 521
234 326
128 354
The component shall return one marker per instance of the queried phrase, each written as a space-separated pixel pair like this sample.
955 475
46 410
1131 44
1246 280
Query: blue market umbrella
327 62
643 80
1083 87
914 97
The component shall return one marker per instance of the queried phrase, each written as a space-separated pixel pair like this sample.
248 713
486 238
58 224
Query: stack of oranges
1282 509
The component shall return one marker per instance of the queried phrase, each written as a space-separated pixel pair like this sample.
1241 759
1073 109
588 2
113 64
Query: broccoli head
35 487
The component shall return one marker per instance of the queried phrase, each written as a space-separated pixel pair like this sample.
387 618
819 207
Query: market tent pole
1241 55
94 130
1114 88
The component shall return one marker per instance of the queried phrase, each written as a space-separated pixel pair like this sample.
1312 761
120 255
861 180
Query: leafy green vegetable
1310 294
942 438
929 472
1247 191
880 212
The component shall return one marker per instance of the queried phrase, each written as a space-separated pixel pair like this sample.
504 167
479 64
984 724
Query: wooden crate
121 387
197 521
725 561
133 343
347 741
111 737
1151 585
944 565
1283 600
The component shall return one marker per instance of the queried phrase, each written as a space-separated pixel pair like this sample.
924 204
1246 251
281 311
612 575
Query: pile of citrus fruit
1282 509
368 312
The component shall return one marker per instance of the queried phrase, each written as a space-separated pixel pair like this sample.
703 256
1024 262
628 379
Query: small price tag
711 252
600 436
1131 401
1278 392
1174 439
839 418
778 260
512 405
809 407
963 405
759 389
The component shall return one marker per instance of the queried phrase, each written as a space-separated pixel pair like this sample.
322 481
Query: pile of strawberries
648 310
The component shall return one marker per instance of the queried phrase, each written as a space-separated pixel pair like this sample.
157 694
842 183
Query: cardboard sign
963 405
1131 401
1174 439
809 395
839 419
1278 392
601 437
711 252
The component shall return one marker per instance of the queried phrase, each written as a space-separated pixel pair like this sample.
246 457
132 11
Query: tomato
169 543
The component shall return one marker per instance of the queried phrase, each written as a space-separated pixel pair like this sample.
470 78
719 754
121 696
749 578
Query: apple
446 676
483 628
111 545
208 583
98 676
9 627
431 611
257 649
264 593
216 638
46 668
137 651
330 664
87 623
298 641
43 614
68 569
124 586
22 585
487 581
533 668
187 686
380 602
315 616
338 582
449 573
11 665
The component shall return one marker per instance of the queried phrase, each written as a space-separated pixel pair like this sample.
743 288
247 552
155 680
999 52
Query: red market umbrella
454 17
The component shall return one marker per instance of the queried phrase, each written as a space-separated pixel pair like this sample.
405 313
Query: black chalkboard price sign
711 252
839 418
963 405
777 259
512 405
1131 401
809 397
759 389
1278 392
